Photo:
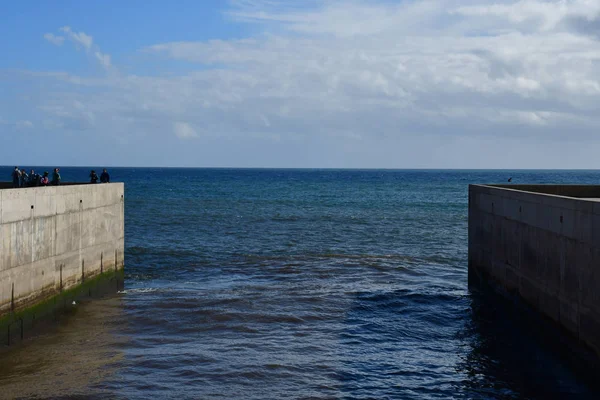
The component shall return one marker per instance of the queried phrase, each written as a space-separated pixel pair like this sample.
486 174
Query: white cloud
401 70
24 124
104 59
544 15
69 114
78 37
375 75
183 130
57 40
81 40
19 125
343 19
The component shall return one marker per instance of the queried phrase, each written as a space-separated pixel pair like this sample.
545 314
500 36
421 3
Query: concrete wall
543 248
54 238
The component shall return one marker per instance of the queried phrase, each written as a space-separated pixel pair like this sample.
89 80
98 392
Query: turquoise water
271 284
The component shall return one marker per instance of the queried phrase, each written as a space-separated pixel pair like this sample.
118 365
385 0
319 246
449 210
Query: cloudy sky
301 83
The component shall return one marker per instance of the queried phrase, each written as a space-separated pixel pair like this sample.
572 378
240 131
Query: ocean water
294 284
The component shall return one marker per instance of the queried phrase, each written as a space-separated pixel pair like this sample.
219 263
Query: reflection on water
512 347
70 359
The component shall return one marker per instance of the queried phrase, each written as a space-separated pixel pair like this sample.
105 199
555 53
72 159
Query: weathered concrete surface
544 248
54 238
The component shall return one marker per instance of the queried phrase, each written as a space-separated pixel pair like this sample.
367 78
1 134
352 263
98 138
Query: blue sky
312 83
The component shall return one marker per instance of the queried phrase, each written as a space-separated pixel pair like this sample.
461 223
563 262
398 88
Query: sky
301 83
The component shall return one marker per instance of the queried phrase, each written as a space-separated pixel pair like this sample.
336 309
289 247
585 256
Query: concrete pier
541 245
55 239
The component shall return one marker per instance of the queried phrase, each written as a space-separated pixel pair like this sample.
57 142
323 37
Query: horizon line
313 168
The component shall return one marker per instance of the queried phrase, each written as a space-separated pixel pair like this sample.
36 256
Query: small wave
159 251
320 256
139 290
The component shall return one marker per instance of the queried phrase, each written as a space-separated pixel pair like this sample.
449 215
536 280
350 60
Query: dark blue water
275 284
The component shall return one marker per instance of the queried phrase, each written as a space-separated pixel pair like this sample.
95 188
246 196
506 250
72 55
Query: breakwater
56 244
540 244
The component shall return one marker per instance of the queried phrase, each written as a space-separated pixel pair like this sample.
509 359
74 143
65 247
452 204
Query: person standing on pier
44 180
104 177
24 178
34 179
93 177
55 177
16 177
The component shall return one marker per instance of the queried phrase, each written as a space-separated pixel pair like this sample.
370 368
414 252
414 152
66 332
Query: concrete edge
554 200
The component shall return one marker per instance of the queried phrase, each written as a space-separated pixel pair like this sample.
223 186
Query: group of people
104 177
21 179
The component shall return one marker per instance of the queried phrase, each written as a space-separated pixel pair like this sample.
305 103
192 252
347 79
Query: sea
294 284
